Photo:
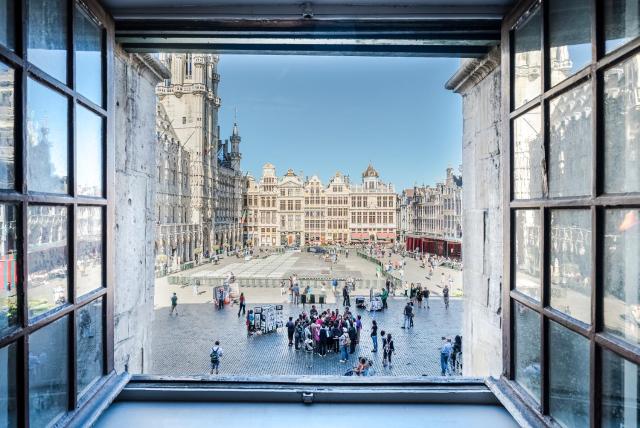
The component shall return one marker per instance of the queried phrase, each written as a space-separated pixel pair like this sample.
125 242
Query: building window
52 338
574 277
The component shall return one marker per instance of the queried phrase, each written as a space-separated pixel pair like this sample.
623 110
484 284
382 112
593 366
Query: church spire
235 122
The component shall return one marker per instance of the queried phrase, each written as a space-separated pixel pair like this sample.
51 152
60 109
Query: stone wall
135 180
479 83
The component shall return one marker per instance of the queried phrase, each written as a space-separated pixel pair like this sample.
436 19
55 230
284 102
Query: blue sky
323 114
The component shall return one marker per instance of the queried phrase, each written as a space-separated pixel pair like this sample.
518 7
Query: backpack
215 358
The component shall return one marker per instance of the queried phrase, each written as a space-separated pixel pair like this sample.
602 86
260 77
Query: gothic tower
191 99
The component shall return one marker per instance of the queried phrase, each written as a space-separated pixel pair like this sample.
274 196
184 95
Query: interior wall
135 189
479 83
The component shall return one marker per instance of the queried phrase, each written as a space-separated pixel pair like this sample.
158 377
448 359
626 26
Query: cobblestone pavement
181 343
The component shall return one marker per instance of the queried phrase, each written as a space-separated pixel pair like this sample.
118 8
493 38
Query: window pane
570 143
47 38
7 29
48 373
89 152
620 392
527 349
89 344
569 37
527 60
89 248
8 397
47 258
528 156
568 377
622 273
88 45
622 126
571 263
528 252
8 268
7 117
621 22
47 139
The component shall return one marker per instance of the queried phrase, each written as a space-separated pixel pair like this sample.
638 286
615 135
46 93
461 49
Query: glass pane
7 28
8 397
527 61
622 273
568 377
570 143
89 344
527 349
8 267
47 38
48 373
621 22
528 252
89 152
47 258
622 126
571 263
569 37
620 392
89 248
88 45
7 117
47 139
528 156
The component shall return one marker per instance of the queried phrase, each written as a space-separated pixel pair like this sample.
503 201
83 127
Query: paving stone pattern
181 343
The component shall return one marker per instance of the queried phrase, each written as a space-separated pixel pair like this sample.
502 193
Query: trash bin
303 299
322 300
312 298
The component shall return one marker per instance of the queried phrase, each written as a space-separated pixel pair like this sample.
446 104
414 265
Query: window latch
307 397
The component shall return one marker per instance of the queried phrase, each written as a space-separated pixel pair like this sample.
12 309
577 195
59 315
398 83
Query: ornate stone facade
191 103
200 184
291 211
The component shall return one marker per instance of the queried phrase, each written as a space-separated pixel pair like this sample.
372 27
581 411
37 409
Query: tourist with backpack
215 355
426 293
243 305
384 348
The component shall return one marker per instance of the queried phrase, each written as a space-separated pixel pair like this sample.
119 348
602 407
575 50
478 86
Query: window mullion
544 302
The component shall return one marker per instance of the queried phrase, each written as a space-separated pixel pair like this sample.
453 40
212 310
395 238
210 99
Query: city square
181 344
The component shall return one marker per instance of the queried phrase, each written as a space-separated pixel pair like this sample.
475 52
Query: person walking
345 296
374 335
426 293
243 306
384 296
291 328
445 296
344 345
445 354
174 304
324 339
384 348
220 298
353 338
390 348
358 327
296 293
334 284
299 334
215 355
419 296
407 316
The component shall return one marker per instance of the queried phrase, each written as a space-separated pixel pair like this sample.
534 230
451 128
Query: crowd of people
331 333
